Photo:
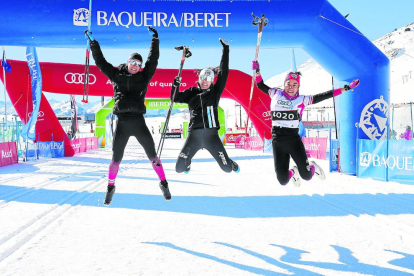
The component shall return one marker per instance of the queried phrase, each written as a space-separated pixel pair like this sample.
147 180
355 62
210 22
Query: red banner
8 153
315 147
253 143
66 78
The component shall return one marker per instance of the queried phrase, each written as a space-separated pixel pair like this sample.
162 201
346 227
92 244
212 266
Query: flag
29 130
73 115
5 64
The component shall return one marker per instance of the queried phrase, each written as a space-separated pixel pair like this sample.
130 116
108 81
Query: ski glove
89 36
224 42
256 66
177 82
352 85
154 32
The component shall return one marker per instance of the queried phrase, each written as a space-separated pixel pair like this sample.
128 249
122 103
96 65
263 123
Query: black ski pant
203 138
132 127
287 143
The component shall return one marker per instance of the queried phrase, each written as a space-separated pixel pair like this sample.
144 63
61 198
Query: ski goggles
134 62
206 78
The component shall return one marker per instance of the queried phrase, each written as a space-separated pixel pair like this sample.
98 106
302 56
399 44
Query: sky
373 18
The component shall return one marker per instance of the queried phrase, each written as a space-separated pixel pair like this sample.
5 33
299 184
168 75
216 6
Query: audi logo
266 114
78 78
39 114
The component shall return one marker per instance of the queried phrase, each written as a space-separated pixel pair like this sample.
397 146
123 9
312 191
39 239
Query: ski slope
53 222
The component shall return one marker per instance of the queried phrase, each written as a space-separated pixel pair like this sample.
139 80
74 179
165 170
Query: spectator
393 135
69 134
408 134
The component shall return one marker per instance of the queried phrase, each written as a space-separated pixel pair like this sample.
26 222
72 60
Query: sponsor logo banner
400 161
50 149
239 141
171 135
231 137
29 129
83 144
375 163
315 147
371 156
267 146
8 153
253 143
333 156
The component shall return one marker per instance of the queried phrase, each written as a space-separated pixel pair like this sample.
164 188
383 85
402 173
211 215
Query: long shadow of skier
349 262
243 267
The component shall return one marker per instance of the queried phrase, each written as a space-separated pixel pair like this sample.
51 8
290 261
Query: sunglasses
206 78
134 62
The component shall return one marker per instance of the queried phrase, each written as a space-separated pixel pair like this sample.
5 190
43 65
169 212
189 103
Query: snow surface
53 222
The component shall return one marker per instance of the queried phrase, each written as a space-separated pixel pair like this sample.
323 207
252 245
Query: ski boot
318 171
235 167
187 170
295 176
109 194
165 191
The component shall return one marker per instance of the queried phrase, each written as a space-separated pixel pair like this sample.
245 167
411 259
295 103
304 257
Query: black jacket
129 89
203 103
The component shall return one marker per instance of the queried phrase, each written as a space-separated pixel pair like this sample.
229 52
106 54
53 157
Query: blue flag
5 64
29 130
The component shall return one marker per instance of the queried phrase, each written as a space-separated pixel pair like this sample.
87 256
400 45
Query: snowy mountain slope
398 46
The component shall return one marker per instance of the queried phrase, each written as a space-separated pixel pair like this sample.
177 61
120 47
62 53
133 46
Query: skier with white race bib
287 106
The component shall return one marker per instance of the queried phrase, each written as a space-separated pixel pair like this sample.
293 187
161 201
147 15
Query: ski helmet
206 74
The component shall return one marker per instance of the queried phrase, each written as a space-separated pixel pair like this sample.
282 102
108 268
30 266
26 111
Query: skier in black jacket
130 84
202 103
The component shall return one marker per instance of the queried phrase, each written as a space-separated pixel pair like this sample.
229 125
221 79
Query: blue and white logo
81 17
365 159
374 118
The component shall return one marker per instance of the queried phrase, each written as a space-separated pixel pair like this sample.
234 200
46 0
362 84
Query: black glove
177 82
154 32
223 42
352 85
89 36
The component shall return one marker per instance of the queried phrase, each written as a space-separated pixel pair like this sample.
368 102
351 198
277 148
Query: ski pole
86 73
186 54
261 21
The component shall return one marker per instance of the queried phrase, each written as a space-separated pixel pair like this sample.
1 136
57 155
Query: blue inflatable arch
313 25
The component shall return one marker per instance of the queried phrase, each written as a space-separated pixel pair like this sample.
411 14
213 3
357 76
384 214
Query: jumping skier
286 110
130 82
202 103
